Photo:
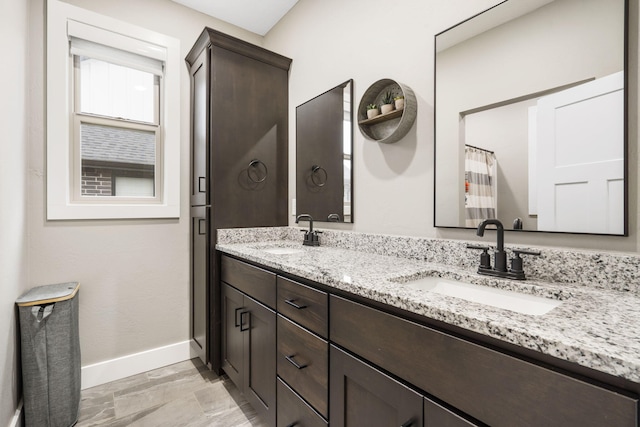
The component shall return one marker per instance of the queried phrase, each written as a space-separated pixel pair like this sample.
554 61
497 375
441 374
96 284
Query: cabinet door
260 359
234 321
199 279
249 122
363 396
199 130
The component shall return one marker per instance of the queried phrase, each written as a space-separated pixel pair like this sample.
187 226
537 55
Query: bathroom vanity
329 335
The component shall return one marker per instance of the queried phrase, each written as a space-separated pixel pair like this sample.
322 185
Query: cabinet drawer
253 281
293 411
493 387
309 378
437 416
304 305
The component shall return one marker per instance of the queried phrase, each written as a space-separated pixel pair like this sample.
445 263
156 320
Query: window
112 118
116 126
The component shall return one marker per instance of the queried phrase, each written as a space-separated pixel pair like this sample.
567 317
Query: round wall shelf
394 125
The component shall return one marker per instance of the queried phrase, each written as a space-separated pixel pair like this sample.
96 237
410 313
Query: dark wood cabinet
232 334
375 367
239 161
436 415
248 350
200 270
303 351
294 411
490 386
259 359
304 305
200 147
254 281
303 363
249 333
362 396
250 172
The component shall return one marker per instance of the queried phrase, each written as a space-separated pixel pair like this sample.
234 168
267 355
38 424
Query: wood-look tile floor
184 394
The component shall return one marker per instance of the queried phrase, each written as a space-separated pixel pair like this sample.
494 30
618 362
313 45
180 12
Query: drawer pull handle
293 362
236 316
242 322
408 423
292 303
293 424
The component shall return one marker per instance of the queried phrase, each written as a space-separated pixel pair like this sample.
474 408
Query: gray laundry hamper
50 354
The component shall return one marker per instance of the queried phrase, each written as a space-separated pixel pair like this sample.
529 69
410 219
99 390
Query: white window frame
62 202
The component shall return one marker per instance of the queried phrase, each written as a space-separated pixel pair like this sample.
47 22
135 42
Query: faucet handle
485 258
516 261
524 252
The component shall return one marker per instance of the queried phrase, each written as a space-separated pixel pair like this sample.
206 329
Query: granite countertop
595 328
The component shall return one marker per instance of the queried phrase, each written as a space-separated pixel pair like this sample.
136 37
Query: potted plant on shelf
399 101
387 103
372 111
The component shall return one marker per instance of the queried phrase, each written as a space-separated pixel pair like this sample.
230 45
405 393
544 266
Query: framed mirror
531 118
324 144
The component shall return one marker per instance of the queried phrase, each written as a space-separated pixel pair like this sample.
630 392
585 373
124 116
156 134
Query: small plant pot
399 103
372 113
386 108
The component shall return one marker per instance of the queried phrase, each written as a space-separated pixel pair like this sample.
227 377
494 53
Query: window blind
94 42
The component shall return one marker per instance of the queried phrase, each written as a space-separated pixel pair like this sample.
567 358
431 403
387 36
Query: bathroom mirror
530 118
324 143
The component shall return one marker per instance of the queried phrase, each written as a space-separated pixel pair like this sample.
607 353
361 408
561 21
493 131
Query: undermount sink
495 297
282 251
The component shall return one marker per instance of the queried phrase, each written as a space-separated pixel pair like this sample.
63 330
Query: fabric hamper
49 335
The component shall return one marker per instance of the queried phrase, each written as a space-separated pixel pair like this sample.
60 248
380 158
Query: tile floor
184 394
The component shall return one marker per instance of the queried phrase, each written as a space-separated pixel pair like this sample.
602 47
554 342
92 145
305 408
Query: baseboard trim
17 416
125 366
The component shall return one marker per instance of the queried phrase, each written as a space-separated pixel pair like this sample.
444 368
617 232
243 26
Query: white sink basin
282 251
500 298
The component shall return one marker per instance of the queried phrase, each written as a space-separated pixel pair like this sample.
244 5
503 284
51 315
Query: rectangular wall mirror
324 143
531 118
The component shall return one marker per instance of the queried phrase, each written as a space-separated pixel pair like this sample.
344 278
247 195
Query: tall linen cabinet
239 162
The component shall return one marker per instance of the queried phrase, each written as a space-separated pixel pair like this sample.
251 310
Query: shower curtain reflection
480 190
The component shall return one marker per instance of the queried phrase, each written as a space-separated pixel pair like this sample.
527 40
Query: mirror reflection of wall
324 140
493 74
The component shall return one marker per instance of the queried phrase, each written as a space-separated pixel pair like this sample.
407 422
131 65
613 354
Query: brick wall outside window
96 182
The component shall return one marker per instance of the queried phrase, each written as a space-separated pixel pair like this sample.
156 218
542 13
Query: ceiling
257 16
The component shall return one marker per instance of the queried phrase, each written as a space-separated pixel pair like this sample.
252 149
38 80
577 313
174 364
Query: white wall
332 40
14 38
133 274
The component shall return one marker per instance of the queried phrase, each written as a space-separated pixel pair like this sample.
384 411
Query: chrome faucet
310 236
500 256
